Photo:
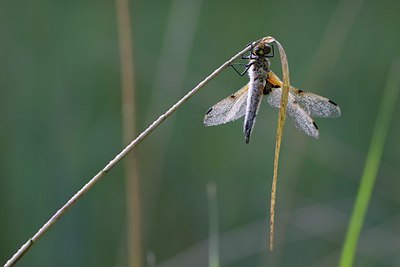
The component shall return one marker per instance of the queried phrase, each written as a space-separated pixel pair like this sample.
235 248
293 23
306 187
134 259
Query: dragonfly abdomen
254 97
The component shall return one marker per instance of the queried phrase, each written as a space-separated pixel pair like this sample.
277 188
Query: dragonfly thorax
259 69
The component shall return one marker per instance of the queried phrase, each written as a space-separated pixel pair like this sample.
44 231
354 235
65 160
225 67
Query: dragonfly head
263 50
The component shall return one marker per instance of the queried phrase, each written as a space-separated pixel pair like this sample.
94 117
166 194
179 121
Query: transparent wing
315 105
229 109
299 116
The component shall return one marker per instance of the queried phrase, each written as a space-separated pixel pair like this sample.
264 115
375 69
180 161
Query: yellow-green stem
371 166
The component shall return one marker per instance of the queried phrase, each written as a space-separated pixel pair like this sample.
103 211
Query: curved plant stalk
279 133
28 244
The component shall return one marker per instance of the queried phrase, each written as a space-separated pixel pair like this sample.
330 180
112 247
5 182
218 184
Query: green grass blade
371 166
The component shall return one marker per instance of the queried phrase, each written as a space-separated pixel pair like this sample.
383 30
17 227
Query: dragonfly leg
247 67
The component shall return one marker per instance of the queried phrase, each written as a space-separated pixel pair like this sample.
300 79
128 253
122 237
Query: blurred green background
60 106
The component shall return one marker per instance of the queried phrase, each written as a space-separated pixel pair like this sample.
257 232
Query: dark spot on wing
300 91
333 103
233 96
208 111
294 102
276 86
315 125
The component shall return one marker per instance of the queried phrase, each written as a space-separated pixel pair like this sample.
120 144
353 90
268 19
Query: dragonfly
301 106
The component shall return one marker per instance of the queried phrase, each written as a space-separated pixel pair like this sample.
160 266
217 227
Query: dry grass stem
132 180
278 141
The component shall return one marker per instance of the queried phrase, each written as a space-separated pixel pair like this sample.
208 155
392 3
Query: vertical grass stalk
213 237
371 166
133 203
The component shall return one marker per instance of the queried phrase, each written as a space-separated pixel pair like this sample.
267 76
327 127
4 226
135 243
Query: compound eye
267 49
